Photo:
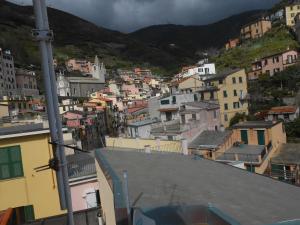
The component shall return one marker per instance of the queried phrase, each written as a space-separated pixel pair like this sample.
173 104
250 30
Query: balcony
290 61
244 97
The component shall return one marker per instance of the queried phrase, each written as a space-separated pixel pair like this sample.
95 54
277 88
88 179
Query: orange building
232 43
255 29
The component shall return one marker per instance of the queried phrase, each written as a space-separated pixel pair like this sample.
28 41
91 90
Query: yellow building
187 85
4 109
232 93
34 194
290 13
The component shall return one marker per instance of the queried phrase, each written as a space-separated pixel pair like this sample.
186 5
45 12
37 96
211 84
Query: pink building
273 64
130 89
75 119
83 181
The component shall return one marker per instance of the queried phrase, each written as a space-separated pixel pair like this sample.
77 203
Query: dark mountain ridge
151 46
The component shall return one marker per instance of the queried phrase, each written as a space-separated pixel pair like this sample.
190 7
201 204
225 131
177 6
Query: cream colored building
232 93
290 13
187 85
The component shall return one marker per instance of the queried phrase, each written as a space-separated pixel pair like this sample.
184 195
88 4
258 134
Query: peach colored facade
276 134
130 89
256 29
273 64
79 194
232 43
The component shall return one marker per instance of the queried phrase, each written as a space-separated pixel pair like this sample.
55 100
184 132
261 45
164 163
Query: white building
203 69
169 106
141 129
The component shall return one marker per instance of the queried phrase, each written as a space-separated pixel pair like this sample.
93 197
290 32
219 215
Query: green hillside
278 39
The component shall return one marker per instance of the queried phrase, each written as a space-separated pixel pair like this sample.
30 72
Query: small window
174 100
220 81
215 114
165 102
240 79
233 80
236 105
235 92
226 117
170 138
195 98
10 162
194 117
225 94
226 106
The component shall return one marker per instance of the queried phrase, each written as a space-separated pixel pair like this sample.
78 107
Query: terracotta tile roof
135 109
282 109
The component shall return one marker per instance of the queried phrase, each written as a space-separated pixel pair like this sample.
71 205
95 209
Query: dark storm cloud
128 15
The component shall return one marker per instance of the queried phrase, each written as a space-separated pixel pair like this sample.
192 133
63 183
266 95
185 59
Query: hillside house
255 29
285 113
232 93
273 64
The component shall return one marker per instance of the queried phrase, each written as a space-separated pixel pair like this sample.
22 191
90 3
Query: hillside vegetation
276 40
75 37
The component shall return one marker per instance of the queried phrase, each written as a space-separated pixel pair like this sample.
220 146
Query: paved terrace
157 180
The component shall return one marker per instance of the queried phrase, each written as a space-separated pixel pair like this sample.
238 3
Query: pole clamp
42 35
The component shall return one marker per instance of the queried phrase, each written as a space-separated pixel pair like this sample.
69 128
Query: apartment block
255 29
232 93
290 13
7 74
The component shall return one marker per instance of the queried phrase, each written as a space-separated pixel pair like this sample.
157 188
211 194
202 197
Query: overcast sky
129 15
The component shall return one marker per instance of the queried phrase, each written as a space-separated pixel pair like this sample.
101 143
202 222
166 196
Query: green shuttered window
10 162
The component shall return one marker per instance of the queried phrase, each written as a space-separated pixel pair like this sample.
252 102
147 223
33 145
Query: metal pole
50 106
64 165
125 175
52 101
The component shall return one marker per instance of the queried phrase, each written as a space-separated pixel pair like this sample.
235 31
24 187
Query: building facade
187 85
290 13
285 113
22 149
255 29
273 64
232 43
82 86
26 83
7 74
202 69
232 93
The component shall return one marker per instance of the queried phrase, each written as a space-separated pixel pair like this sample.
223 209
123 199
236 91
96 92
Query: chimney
147 149
222 128
184 146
